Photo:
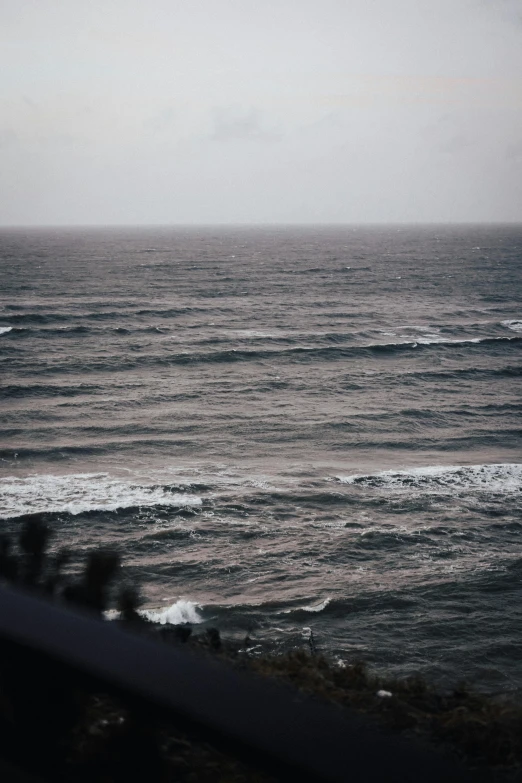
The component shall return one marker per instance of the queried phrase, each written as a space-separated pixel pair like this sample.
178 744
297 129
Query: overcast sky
260 111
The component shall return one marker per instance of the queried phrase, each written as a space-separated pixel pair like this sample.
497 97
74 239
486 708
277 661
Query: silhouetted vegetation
31 566
77 735
74 734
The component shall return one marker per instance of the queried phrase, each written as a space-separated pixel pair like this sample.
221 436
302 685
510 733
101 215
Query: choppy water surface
281 429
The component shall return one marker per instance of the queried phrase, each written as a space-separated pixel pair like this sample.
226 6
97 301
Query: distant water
281 429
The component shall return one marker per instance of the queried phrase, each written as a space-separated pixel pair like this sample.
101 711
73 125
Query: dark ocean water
281 429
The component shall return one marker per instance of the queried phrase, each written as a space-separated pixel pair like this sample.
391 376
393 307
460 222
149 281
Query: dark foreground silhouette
59 725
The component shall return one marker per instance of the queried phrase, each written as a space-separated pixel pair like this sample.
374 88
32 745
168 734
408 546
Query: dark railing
271 727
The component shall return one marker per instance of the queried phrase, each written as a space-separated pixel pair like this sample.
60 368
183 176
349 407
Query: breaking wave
454 478
180 612
514 325
313 608
82 493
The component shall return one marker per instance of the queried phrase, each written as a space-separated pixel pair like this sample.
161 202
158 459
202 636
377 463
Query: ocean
283 430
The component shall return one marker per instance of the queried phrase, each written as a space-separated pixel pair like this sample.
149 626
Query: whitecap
317 607
258 333
82 492
439 479
434 340
312 608
5 329
418 328
181 611
514 325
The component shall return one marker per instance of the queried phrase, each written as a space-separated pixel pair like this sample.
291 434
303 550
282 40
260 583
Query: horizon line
364 224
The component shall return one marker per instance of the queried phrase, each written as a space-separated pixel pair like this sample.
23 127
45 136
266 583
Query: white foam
419 328
431 340
428 336
317 607
82 492
515 326
5 329
437 479
312 608
254 333
180 612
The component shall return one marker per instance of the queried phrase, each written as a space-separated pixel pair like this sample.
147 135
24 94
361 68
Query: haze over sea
281 429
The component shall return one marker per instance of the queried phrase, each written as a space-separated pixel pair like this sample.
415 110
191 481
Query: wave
314 608
330 352
180 612
26 332
29 390
32 318
497 478
50 318
441 417
82 493
46 390
333 352
514 325
510 371
295 354
44 332
447 341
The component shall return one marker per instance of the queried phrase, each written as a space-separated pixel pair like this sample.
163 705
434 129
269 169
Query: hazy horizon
369 224
240 113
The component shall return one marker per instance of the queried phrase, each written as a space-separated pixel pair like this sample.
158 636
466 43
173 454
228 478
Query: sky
260 111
